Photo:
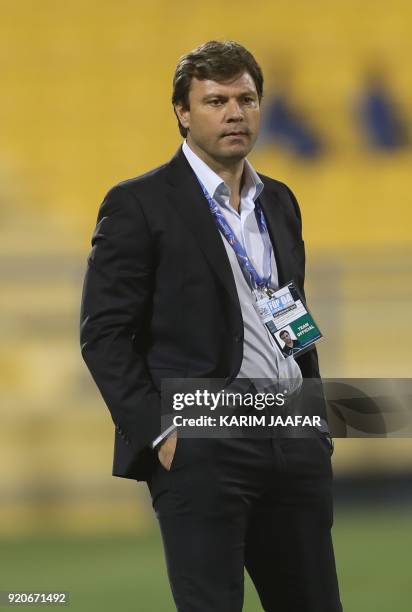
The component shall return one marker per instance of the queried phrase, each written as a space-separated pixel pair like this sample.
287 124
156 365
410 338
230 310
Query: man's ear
183 115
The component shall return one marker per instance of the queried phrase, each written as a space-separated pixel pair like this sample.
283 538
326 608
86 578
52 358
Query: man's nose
234 111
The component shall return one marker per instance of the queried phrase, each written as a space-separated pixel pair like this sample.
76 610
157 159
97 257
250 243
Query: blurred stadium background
85 103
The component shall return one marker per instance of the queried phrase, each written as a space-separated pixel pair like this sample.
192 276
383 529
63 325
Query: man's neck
231 171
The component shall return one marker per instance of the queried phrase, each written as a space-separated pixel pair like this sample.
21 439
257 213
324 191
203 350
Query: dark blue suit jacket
160 301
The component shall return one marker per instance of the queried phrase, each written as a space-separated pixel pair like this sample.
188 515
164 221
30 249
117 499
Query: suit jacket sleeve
115 305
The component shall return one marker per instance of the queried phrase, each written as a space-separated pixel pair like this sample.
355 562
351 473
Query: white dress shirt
262 358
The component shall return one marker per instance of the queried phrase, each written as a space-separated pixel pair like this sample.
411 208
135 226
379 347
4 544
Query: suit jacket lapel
187 197
272 207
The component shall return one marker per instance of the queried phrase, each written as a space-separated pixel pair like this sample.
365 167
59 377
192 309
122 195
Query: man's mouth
236 133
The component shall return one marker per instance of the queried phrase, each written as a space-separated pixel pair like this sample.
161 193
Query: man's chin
234 152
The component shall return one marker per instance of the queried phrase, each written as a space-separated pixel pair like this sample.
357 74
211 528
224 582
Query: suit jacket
160 301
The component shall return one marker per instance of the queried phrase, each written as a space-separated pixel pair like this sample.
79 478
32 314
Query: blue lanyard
261 282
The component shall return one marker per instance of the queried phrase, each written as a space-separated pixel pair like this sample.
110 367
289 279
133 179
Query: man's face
222 118
286 337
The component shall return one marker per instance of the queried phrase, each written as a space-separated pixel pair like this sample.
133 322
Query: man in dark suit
168 295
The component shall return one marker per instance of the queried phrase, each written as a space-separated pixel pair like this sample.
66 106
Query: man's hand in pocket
167 450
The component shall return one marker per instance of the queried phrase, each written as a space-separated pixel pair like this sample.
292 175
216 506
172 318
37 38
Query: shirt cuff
163 435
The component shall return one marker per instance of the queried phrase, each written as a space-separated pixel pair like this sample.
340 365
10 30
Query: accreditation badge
285 315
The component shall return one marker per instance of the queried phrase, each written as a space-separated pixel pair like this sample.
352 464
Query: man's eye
215 102
248 100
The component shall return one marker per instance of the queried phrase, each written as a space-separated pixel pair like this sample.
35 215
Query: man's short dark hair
218 61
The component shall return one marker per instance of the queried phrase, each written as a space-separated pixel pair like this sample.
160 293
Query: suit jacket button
238 338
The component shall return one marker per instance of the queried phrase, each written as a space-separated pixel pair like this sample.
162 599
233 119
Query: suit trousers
264 503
